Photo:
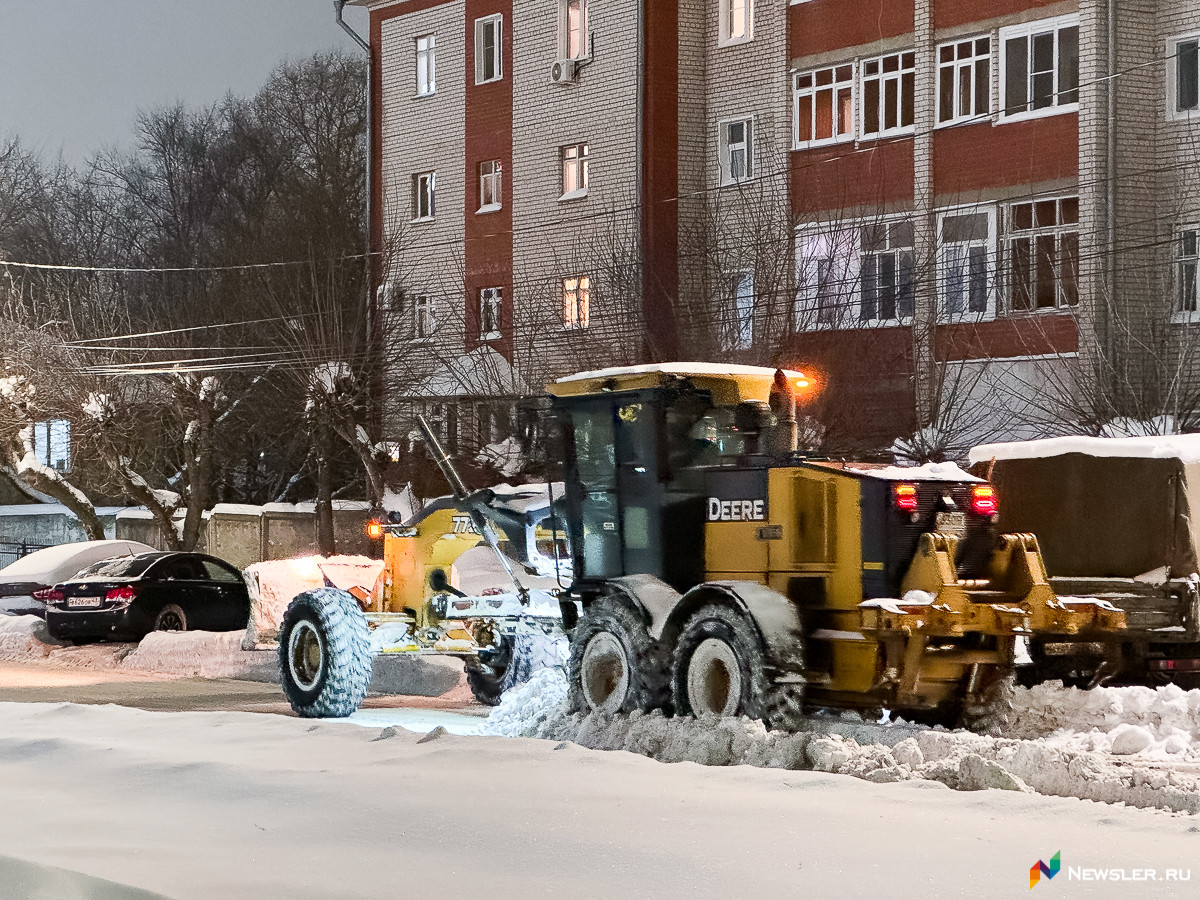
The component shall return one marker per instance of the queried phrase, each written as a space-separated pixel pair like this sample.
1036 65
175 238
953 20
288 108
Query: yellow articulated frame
1015 599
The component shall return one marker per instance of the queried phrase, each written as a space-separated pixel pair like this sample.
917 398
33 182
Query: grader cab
719 571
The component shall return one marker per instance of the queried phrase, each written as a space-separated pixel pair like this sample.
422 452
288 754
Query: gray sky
74 73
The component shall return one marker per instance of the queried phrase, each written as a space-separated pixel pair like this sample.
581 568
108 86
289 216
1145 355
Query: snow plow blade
1015 599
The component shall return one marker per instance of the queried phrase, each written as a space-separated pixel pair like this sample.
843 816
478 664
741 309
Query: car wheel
171 618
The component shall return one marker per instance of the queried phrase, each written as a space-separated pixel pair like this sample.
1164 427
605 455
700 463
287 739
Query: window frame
496 22
836 86
725 23
991 250
565 31
423 323
1012 234
496 179
430 53
580 163
1180 259
576 301
419 193
725 150
492 297
742 333
904 74
956 65
1174 113
1028 31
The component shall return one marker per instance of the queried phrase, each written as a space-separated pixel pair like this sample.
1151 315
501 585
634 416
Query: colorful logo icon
1039 868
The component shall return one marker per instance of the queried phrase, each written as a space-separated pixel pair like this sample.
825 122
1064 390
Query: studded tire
616 666
324 654
720 667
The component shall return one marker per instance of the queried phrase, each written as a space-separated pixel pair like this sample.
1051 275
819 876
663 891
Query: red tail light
47 594
121 593
983 500
906 497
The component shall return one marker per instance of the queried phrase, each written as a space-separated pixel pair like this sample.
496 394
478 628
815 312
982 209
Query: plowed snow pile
1118 745
273 583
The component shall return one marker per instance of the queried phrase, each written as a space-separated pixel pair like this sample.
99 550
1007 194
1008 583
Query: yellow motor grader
716 570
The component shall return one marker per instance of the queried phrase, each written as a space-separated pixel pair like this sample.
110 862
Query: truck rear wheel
616 666
324 654
719 668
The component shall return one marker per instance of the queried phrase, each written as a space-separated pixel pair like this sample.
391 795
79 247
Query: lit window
1183 77
966 254
574 171
1187 251
1043 254
737 21
424 186
741 289
827 267
488 40
491 302
1040 66
888 92
491 174
577 301
736 150
823 106
426 64
964 80
574 30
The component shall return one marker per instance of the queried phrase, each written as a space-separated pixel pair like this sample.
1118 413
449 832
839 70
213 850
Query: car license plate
952 523
75 602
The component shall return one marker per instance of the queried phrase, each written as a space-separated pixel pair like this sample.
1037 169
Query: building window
1183 77
1043 254
491 301
741 292
426 64
52 444
736 138
887 272
827 277
577 301
422 317
491 181
574 171
1040 66
489 32
737 21
964 80
424 185
1187 251
966 242
574 30
888 94
823 106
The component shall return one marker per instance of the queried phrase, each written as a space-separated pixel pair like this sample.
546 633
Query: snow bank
24 637
527 707
201 654
274 583
1184 447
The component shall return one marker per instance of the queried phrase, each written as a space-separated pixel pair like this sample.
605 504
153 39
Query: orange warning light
374 530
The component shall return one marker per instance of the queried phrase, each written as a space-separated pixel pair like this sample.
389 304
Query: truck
1116 520
718 570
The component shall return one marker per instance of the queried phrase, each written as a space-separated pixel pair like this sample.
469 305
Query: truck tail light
983 500
906 497
121 594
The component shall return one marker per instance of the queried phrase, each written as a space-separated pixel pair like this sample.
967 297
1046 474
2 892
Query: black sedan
127 597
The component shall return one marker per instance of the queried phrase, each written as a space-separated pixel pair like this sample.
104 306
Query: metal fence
11 551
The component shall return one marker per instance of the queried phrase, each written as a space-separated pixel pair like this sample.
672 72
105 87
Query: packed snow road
236 805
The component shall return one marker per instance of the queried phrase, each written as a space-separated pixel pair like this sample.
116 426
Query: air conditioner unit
563 71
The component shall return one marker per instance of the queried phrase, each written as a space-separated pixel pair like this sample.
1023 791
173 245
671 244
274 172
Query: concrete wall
49 524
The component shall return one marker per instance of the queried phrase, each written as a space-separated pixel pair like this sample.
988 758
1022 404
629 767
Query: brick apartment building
949 211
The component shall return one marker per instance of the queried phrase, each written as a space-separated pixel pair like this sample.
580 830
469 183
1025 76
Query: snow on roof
943 471
53 563
236 509
676 368
51 509
1183 447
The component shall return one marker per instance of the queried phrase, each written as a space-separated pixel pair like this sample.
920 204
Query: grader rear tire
616 666
719 668
324 654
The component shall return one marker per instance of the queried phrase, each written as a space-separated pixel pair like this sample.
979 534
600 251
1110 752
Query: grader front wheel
324 654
